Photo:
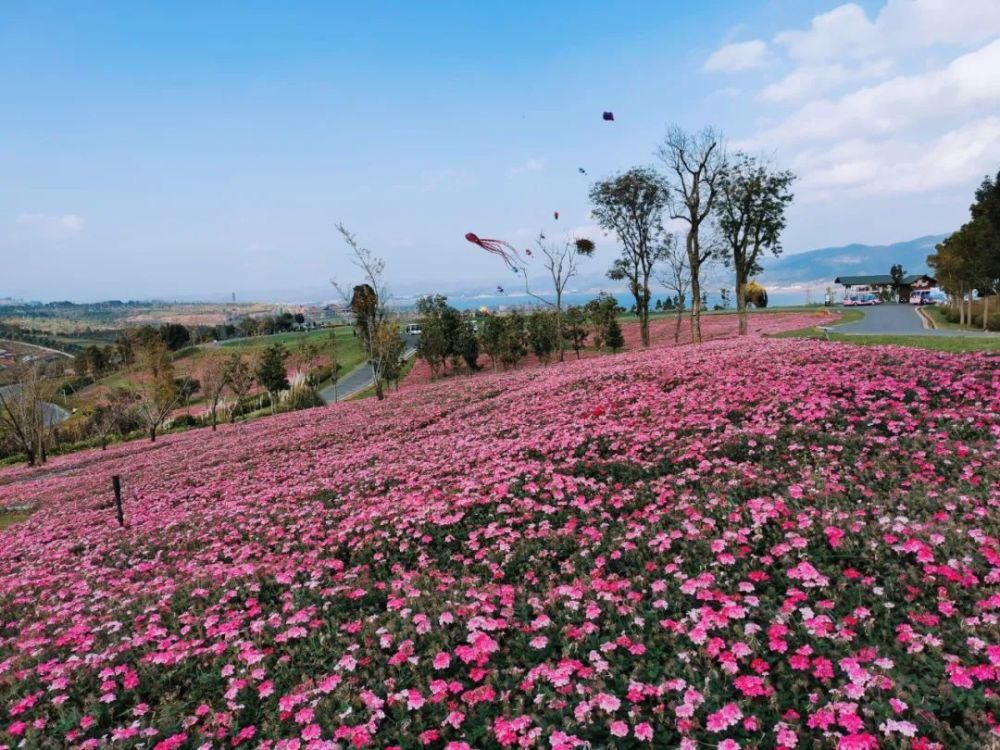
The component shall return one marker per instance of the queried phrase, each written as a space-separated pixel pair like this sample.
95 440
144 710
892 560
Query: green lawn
933 343
10 517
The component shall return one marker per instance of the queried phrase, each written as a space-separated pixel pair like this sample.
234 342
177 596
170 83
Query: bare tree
368 302
113 414
560 260
695 167
214 381
23 411
240 377
675 276
159 394
631 205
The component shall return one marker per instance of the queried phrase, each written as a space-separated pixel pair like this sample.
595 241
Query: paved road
892 318
53 413
361 377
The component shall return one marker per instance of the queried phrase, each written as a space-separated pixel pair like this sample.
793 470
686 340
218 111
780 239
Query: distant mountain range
827 263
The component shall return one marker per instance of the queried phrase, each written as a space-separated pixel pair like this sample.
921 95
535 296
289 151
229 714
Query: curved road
360 377
896 319
53 413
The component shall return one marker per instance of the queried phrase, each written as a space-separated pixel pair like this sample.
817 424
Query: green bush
184 420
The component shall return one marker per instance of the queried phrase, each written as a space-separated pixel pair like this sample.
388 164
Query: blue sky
193 149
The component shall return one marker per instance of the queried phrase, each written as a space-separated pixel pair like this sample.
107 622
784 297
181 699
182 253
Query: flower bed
747 544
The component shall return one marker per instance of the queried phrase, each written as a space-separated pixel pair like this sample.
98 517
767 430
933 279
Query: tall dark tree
631 205
750 207
695 166
175 335
604 311
897 274
574 328
543 334
271 371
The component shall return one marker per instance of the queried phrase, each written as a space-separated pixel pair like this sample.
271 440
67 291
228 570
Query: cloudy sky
185 150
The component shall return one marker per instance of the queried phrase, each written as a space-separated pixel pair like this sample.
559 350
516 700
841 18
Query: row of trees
732 208
968 261
452 342
28 426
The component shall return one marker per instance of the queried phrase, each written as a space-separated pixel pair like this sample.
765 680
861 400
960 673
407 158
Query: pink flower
643 731
311 732
607 702
619 729
724 718
441 660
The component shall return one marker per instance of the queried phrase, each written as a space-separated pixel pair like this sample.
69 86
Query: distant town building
882 284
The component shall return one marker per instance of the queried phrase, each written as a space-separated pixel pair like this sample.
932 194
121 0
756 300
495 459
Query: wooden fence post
116 484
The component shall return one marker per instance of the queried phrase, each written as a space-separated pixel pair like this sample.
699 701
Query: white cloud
738 56
846 32
813 80
900 166
531 165
967 84
52 226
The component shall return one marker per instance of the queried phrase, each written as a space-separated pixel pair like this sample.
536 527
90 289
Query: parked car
413 329
926 297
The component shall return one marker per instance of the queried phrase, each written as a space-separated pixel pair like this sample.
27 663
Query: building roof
880 279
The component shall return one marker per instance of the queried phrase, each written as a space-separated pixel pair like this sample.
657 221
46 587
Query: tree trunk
104 442
986 311
644 325
29 456
379 393
695 308
741 302
152 434
559 330
213 419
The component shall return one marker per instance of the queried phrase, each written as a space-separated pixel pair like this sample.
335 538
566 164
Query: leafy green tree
604 311
271 371
491 337
439 331
513 342
390 346
468 346
631 205
750 208
543 334
239 372
175 335
613 338
574 329
159 393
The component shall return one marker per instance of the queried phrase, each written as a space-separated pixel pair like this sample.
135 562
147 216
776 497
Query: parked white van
413 329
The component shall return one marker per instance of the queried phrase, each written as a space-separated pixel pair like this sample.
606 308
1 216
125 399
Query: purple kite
556 214
609 116
501 249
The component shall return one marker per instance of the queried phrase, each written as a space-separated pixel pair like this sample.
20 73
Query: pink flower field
758 543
